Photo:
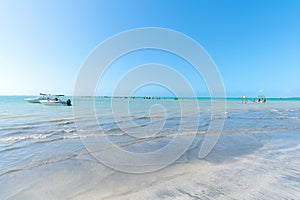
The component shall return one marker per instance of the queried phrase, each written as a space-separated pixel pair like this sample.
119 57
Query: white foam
26 137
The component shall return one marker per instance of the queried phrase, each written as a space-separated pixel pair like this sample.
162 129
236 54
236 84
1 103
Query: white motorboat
53 102
46 99
56 101
37 99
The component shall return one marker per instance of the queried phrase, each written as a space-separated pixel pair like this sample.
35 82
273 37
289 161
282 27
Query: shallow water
43 152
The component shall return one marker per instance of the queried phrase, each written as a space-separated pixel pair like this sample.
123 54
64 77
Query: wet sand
241 166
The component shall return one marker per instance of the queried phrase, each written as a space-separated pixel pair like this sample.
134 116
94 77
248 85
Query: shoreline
237 163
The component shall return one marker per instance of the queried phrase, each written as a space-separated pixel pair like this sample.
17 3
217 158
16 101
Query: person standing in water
244 99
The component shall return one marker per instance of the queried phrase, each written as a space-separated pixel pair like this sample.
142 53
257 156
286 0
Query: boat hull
53 103
34 100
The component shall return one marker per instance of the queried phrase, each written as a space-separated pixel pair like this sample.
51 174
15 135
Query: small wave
28 127
17 116
293 117
112 129
17 128
61 120
290 110
68 130
150 117
290 149
281 117
174 118
205 124
85 134
27 137
77 136
260 131
44 162
66 123
143 117
261 118
9 149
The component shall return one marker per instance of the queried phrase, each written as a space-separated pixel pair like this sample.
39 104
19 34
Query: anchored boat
50 100
37 99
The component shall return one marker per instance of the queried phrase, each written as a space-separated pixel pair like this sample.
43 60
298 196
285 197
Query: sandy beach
240 167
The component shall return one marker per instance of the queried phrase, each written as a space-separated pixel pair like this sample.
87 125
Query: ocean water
47 152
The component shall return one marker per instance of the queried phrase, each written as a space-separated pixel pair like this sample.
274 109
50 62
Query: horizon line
154 96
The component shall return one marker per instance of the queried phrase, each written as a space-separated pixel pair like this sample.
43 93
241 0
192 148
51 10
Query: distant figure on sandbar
244 99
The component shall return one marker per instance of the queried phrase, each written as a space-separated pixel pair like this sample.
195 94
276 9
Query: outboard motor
69 102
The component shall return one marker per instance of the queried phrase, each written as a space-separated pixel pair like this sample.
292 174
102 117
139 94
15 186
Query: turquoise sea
44 151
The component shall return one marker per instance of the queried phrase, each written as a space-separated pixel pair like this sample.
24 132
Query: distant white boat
46 99
37 99
53 102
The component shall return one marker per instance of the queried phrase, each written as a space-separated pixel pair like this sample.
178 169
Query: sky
254 44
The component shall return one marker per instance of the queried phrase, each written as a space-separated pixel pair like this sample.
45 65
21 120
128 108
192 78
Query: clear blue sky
255 44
